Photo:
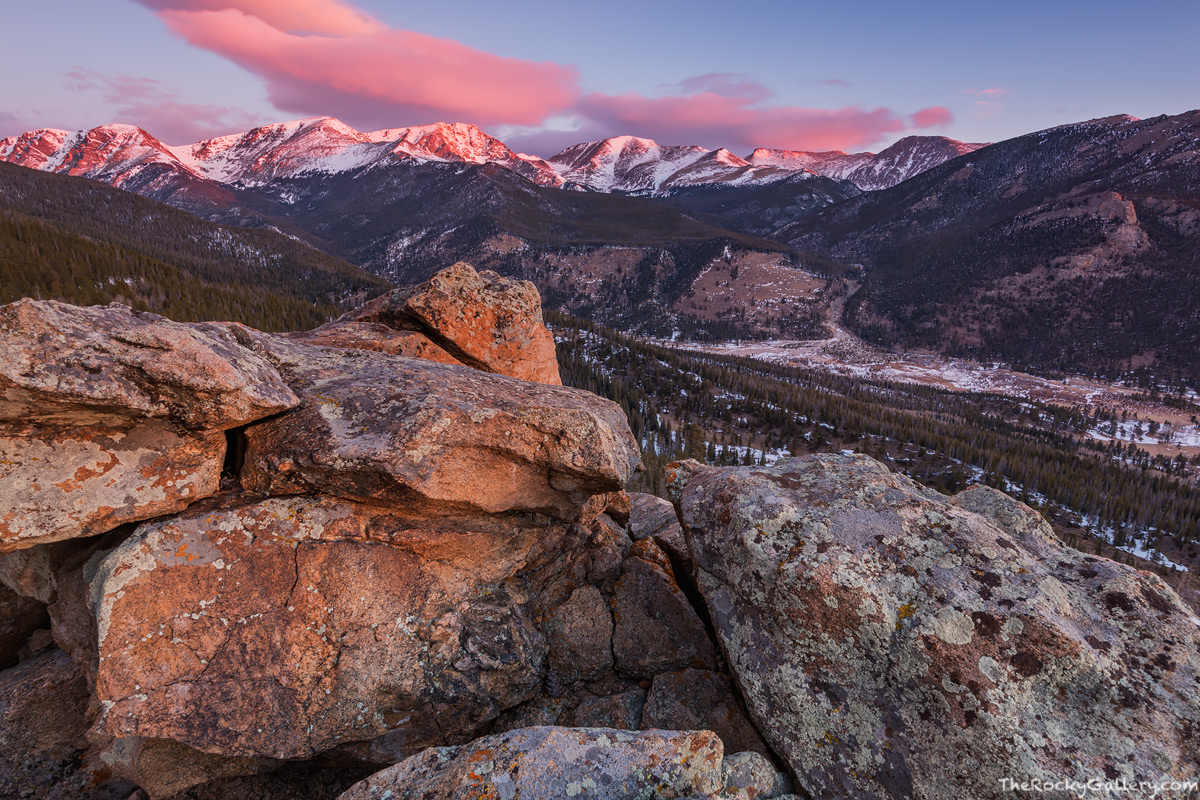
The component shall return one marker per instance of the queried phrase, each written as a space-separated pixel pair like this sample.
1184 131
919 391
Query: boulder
554 763
752 776
109 415
285 627
892 642
376 337
481 319
382 428
652 517
110 365
656 629
579 633
65 483
695 699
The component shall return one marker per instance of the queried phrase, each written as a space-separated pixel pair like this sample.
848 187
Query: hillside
81 241
1075 248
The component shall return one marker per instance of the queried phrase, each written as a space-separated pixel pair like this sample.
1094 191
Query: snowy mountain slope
117 154
910 156
121 155
632 165
127 156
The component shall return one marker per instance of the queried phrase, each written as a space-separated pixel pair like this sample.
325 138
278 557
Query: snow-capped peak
870 171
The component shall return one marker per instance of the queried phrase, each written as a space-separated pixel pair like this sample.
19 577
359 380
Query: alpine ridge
118 154
130 157
910 156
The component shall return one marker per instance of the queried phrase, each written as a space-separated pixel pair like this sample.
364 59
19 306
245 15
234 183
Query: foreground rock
379 428
892 642
283 628
481 319
555 763
109 416
110 365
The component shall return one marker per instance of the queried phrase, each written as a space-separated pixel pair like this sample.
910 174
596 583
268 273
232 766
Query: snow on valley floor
846 355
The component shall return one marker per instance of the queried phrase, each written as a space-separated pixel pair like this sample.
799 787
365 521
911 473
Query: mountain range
125 154
1070 248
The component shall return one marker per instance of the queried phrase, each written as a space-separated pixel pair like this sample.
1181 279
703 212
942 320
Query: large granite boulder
892 642
553 763
285 627
481 319
64 483
382 428
109 416
110 365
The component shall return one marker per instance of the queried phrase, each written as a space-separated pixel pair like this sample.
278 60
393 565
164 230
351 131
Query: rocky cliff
393 558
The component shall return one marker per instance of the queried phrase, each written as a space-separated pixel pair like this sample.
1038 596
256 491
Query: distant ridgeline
83 242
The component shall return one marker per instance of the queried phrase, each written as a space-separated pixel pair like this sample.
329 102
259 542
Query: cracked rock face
893 642
66 483
109 415
382 428
481 319
285 627
378 338
555 763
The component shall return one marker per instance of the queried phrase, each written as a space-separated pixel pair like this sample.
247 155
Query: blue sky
542 75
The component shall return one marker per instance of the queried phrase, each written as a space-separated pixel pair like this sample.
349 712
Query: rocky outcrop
307 554
892 642
377 428
109 416
553 763
479 318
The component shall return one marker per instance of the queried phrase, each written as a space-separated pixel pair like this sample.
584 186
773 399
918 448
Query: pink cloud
374 75
327 57
995 91
711 119
150 105
933 117
329 17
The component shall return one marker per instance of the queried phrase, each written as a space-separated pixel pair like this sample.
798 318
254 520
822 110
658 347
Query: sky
542 75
